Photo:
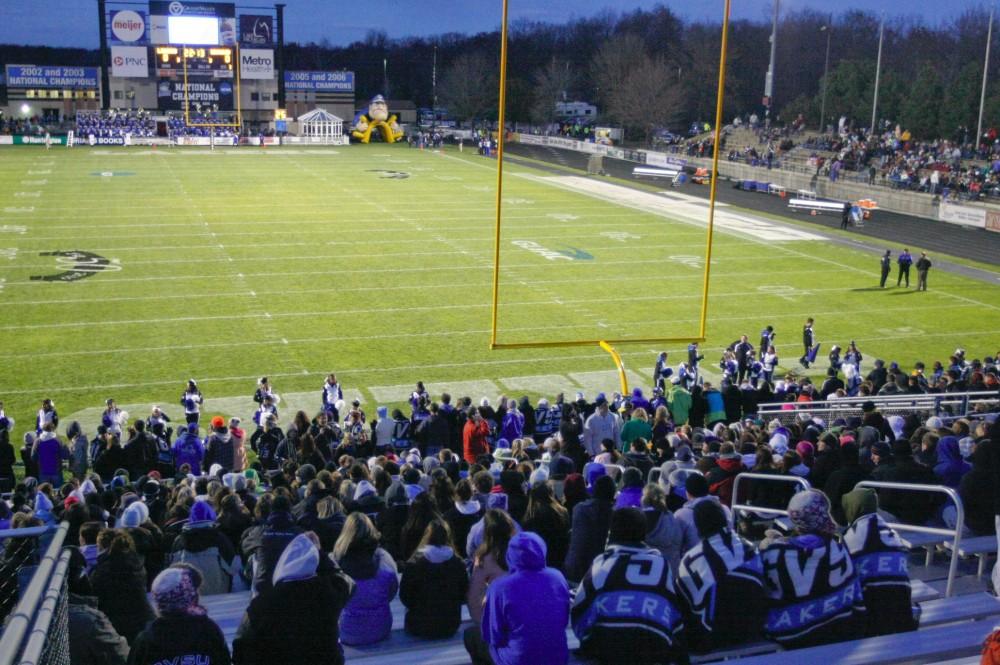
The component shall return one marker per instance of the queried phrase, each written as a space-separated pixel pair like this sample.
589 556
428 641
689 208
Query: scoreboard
200 61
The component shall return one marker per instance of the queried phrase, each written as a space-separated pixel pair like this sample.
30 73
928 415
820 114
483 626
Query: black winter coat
180 638
591 521
119 582
433 594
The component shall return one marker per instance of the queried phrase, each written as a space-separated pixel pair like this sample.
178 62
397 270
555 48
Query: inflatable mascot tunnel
378 120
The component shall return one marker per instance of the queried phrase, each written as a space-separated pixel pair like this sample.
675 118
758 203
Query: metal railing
946 533
34 606
940 404
750 508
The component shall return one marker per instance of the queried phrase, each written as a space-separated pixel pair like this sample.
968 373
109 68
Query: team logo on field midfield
76 265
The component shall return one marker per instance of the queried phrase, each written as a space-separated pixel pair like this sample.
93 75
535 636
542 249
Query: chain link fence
33 579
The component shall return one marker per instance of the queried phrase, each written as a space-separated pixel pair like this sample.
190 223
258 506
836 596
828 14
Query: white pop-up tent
321 126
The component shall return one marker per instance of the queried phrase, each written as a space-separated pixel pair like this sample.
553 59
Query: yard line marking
450 333
427 308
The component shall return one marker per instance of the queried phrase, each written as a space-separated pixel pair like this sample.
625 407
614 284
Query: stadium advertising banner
175 8
129 61
256 64
320 81
128 27
256 30
30 76
201 93
954 213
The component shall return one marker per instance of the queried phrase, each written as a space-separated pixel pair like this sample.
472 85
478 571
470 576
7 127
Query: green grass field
233 264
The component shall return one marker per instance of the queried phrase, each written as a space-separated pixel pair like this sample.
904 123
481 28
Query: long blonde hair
358 532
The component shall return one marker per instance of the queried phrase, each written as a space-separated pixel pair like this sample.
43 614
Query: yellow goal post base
606 344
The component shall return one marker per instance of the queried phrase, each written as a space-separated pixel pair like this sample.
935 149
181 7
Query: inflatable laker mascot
379 120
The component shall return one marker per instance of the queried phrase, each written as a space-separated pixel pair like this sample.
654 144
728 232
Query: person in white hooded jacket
296 620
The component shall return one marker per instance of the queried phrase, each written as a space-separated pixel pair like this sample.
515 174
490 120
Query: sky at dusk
74 22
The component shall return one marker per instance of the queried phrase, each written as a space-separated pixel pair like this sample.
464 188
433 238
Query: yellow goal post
237 121
605 343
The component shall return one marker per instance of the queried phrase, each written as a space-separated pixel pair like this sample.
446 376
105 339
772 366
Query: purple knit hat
175 591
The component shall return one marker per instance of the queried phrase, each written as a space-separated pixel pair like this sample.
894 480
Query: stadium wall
910 203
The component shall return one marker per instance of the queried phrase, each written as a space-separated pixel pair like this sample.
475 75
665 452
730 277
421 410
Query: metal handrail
955 533
39 632
932 399
750 508
23 615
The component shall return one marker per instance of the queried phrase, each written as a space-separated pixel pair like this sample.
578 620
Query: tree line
647 69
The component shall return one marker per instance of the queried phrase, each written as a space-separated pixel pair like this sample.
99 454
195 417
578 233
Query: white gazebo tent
321 126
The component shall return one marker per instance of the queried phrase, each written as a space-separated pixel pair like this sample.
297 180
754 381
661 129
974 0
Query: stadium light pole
878 70
828 29
986 69
769 78
434 90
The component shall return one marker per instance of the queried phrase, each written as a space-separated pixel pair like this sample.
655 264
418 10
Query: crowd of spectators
24 126
535 516
116 124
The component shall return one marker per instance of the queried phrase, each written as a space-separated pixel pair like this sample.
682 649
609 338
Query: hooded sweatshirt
367 617
526 611
433 588
881 561
950 466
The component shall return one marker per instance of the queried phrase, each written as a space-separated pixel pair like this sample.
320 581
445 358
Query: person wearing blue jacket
526 611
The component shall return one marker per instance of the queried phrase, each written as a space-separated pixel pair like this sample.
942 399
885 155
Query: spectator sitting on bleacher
296 619
119 582
814 590
366 618
720 585
181 632
591 521
434 585
526 611
881 562
909 507
620 616
202 545
277 531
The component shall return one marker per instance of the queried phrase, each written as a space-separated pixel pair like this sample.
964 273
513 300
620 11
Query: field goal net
595 165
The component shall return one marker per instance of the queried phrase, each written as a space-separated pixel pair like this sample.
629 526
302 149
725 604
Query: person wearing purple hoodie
188 449
513 422
526 611
49 453
950 466
630 495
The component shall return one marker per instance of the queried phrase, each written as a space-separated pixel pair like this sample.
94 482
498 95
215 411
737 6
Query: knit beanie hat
809 512
175 591
201 511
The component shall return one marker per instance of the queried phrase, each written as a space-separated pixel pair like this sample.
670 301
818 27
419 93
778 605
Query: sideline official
904 261
886 264
923 265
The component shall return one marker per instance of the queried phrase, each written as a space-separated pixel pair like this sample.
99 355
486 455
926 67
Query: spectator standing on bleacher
814 590
906 506
990 450
882 563
591 521
720 585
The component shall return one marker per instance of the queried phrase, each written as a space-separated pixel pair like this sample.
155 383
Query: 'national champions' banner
31 76
202 93
129 61
257 64
256 30
320 81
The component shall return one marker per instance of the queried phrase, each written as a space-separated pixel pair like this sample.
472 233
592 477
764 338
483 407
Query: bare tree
647 97
469 87
552 83
612 64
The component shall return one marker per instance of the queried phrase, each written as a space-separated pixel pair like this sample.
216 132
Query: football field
125 272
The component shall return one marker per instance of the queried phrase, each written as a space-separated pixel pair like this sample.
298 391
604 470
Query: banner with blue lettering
320 81
31 76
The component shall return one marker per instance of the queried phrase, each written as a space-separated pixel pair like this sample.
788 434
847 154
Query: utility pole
434 88
828 28
769 79
878 70
986 69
